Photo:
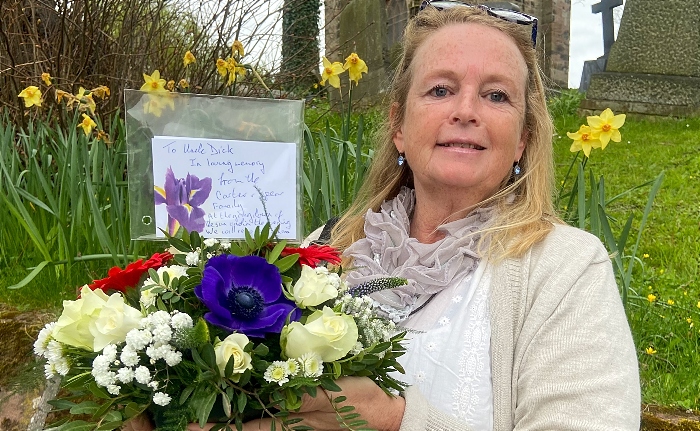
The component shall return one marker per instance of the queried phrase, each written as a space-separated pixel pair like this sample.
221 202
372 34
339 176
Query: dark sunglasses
504 14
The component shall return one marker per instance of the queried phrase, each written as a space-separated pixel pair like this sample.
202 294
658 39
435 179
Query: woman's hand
139 423
382 412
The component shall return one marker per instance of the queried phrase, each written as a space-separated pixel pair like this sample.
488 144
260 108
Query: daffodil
221 67
183 84
31 96
188 59
46 78
331 72
87 124
651 297
237 47
170 85
102 91
583 140
103 136
355 67
605 126
650 350
157 103
60 94
154 83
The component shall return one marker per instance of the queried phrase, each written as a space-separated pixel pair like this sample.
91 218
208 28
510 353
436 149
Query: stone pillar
332 10
654 66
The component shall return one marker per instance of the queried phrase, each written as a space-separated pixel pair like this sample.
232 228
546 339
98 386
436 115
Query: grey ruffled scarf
389 251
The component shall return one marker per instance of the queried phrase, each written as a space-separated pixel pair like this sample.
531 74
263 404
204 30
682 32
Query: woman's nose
466 108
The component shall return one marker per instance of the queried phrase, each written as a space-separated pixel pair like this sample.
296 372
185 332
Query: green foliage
300 51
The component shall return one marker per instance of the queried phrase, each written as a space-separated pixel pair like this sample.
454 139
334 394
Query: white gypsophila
137 339
292 367
142 375
42 340
153 385
210 242
113 389
125 375
110 352
129 356
162 334
148 298
159 318
181 321
357 348
311 364
192 258
161 398
172 358
209 255
105 378
277 372
225 244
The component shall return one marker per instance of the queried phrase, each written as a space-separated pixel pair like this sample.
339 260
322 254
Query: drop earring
401 160
516 168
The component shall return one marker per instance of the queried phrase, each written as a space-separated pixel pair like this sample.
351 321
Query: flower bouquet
217 331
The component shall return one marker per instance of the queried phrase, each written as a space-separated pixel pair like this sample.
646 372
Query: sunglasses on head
504 14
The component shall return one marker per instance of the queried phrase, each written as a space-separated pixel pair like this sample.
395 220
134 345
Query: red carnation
314 254
119 279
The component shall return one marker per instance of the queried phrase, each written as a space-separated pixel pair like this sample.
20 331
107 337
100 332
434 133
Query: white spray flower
43 339
210 242
277 372
192 258
142 375
161 398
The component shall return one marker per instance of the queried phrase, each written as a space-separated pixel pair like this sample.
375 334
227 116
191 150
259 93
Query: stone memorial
605 8
654 66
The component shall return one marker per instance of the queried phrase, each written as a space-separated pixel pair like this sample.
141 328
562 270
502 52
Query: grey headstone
591 67
654 66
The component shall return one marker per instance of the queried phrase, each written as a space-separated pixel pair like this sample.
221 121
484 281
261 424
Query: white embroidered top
450 361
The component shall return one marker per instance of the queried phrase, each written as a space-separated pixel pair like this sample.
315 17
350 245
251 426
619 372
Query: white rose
315 286
329 334
95 320
233 345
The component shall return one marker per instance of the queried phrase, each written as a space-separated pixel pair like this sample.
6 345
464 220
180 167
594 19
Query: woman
522 324
517 318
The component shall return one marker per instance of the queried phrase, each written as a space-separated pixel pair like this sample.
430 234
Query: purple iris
244 294
182 199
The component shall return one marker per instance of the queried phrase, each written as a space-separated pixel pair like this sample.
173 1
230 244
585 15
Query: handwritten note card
221 187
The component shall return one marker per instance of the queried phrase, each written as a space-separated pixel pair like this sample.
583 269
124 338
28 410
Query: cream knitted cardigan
562 354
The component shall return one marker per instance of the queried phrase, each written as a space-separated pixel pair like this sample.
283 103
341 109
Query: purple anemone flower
182 199
244 294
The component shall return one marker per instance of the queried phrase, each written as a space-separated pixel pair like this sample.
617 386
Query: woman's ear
398 135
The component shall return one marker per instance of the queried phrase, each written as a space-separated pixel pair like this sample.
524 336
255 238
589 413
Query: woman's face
464 122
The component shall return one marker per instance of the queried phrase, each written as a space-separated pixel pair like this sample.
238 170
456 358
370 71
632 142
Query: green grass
669 253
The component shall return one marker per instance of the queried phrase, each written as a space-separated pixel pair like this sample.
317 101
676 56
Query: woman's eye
498 96
439 91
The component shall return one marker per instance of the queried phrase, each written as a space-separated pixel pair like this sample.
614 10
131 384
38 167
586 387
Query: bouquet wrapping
217 331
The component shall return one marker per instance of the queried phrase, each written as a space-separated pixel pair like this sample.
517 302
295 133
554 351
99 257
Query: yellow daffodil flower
237 47
583 140
221 67
157 103
183 84
188 59
650 350
651 297
46 78
88 103
103 136
231 67
60 94
154 83
102 91
31 96
605 126
355 67
87 124
170 85
241 72
331 72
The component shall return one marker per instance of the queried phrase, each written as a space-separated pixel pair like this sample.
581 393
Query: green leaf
180 245
275 253
75 426
242 401
86 407
204 408
209 355
329 385
286 262
61 404
26 280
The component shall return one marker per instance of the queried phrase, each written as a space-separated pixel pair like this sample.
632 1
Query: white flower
457 298
181 321
110 352
210 242
209 255
142 375
62 367
311 364
162 334
162 399
43 339
137 339
292 367
148 298
277 372
332 335
54 351
159 318
315 286
129 356
192 258
125 375
233 346
49 370
172 358
225 244
153 385
444 321
113 389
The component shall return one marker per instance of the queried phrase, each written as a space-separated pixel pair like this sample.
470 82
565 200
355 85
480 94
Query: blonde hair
521 221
